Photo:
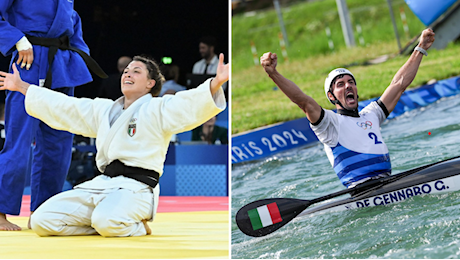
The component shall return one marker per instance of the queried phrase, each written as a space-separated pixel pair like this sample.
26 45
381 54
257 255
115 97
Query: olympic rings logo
365 125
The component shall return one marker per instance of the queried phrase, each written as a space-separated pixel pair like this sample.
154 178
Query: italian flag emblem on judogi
264 216
132 129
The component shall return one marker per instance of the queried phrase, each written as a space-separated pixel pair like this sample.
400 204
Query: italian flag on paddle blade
264 216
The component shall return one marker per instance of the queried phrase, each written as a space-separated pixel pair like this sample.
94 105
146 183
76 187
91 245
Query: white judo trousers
110 213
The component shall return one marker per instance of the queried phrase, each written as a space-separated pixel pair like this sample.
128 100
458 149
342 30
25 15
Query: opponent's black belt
117 168
63 43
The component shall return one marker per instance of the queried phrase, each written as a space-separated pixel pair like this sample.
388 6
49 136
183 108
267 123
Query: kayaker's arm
310 107
407 72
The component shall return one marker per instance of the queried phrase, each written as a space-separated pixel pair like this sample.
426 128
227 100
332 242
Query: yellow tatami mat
198 235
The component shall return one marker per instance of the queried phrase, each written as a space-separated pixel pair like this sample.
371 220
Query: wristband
23 44
423 51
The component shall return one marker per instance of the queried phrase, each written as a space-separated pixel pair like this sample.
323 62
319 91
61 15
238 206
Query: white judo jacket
140 136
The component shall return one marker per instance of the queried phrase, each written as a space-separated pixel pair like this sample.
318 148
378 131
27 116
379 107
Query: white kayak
439 178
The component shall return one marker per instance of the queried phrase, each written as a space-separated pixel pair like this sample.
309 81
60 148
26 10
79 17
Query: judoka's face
135 81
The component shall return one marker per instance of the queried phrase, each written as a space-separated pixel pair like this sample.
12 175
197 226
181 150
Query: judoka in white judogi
137 136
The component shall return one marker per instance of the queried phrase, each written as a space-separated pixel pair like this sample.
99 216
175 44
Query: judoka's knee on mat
45 225
108 226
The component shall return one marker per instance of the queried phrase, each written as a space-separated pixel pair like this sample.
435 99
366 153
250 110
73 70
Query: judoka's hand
26 57
222 75
13 81
25 53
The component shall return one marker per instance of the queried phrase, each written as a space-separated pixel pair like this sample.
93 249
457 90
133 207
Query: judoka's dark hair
154 73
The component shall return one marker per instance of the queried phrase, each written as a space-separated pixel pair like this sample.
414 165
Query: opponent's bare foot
28 223
147 228
5 225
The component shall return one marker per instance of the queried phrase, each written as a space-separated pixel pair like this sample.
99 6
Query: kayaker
352 139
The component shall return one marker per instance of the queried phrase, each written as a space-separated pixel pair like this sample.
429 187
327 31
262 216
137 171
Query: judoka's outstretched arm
222 75
82 115
187 110
13 81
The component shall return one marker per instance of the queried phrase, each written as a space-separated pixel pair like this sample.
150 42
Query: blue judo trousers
52 152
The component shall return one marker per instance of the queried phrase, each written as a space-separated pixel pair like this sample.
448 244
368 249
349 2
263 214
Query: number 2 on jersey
374 137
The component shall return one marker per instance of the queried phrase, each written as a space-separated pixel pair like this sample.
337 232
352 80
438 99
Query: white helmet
332 75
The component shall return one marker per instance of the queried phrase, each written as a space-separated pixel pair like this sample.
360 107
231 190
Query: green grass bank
255 101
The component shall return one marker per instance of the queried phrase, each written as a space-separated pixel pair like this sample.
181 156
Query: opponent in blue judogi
45 23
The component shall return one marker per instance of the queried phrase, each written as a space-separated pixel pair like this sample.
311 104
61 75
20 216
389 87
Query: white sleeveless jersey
354 145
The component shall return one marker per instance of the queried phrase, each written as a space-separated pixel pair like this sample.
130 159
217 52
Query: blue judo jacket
49 19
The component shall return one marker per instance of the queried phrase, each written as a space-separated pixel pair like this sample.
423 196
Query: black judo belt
63 43
117 168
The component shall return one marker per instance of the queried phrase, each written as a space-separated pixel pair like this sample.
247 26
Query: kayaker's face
346 92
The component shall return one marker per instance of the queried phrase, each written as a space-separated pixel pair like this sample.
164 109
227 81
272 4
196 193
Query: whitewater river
421 227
